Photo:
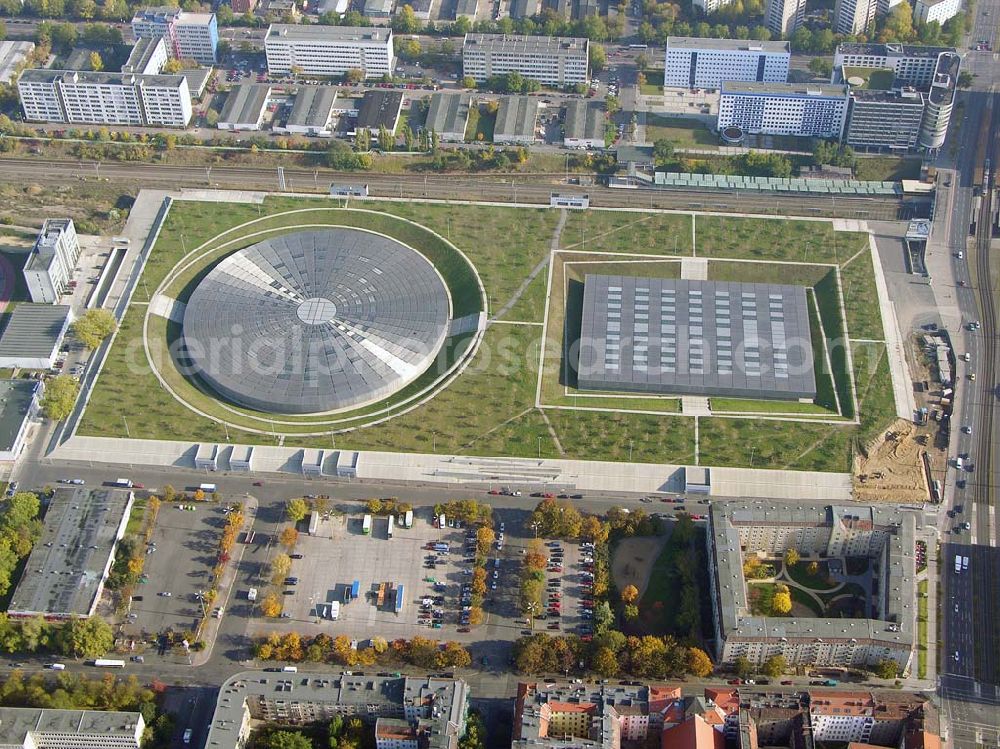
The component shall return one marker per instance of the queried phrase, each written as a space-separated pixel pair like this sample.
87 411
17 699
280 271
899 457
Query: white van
290 669
57 666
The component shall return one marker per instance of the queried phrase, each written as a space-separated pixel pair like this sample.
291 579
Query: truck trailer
408 519
391 524
366 525
399 599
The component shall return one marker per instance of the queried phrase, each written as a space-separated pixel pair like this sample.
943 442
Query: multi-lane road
969 653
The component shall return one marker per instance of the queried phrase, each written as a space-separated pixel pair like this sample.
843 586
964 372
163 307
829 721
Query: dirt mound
890 467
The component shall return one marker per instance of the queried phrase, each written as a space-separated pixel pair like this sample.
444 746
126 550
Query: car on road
967 429
165 594
786 683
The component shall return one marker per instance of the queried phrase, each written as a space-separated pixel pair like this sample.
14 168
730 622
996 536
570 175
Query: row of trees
79 638
20 528
610 654
418 651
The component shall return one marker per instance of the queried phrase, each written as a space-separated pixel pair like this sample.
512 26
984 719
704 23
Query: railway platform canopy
776 184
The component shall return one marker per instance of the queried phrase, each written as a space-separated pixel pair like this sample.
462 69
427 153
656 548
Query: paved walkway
539 267
584 475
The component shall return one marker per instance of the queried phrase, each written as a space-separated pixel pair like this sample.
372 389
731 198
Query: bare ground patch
633 561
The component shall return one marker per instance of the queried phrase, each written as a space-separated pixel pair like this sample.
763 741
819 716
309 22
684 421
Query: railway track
506 188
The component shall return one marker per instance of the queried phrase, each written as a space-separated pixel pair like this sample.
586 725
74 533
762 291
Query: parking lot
179 563
569 579
341 552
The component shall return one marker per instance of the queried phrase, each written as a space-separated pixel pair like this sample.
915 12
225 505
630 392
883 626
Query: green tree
792 557
468 82
663 151
354 75
631 612
97 65
598 58
296 509
775 666
743 667
64 36
781 601
965 79
87 638
886 669
20 510
288 740
59 398
93 326
821 67
405 21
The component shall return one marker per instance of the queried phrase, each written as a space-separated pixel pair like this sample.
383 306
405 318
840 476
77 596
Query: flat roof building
554 61
147 57
683 337
926 11
434 707
329 50
378 8
854 16
18 406
448 116
466 9
312 111
188 36
884 120
515 123
12 55
44 728
33 335
66 570
886 536
380 109
244 108
49 267
913 64
87 98
811 110
584 124
783 17
693 62
940 101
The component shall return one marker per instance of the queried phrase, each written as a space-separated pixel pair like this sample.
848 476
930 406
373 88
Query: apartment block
407 712
885 536
147 57
913 65
189 36
782 17
555 715
710 6
813 110
925 11
329 50
554 61
50 265
87 98
35 728
692 62
854 16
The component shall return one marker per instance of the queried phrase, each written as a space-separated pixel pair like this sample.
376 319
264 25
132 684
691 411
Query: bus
391 523
399 599
638 46
108 663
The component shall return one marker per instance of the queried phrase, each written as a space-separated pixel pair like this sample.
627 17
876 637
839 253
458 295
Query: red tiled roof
694 733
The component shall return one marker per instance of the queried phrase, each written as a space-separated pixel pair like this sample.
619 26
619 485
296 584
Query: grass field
654 83
490 409
680 131
800 574
886 168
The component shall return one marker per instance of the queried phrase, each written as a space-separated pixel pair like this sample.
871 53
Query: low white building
38 728
312 112
693 62
329 50
244 108
18 406
925 11
812 110
50 265
33 335
12 54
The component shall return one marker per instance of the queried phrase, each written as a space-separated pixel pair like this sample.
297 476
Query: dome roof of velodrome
315 321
